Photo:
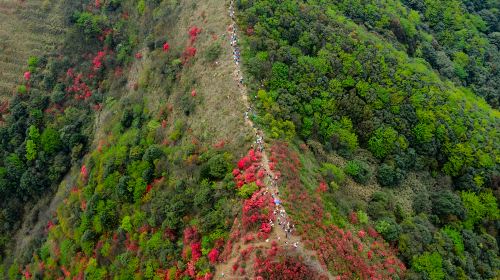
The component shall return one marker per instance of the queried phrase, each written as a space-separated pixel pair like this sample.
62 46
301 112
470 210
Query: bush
332 173
88 23
362 217
358 170
247 190
22 89
446 204
389 229
50 140
217 167
389 176
141 7
430 264
213 52
32 63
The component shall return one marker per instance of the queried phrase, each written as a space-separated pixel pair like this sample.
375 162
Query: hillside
250 139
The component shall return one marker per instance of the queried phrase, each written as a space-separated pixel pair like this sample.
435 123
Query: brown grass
26 28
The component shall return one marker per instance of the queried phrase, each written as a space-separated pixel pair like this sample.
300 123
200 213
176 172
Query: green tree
431 264
50 141
479 207
383 142
31 150
358 170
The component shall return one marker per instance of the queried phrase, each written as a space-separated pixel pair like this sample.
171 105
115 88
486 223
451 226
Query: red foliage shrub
189 52
213 255
190 235
79 87
191 269
26 273
236 172
249 169
97 60
372 232
27 75
166 47
84 172
193 93
193 33
131 244
353 218
50 225
220 144
261 173
287 267
244 163
265 227
246 252
323 187
195 251
138 55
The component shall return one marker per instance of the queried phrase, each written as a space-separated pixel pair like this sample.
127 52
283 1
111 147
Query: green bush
389 176
50 141
22 89
213 52
362 217
141 6
216 167
32 63
429 263
247 190
332 173
88 23
446 204
389 229
358 170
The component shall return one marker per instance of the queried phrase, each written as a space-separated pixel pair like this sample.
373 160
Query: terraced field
26 28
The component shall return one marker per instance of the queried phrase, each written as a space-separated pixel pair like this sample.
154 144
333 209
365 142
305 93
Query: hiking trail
278 232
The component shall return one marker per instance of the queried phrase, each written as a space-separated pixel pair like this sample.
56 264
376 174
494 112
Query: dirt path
279 232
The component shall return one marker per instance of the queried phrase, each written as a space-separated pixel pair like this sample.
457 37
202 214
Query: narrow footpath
282 228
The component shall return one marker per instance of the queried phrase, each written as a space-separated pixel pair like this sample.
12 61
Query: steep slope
181 105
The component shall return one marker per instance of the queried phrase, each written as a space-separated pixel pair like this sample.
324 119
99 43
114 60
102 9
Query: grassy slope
28 28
